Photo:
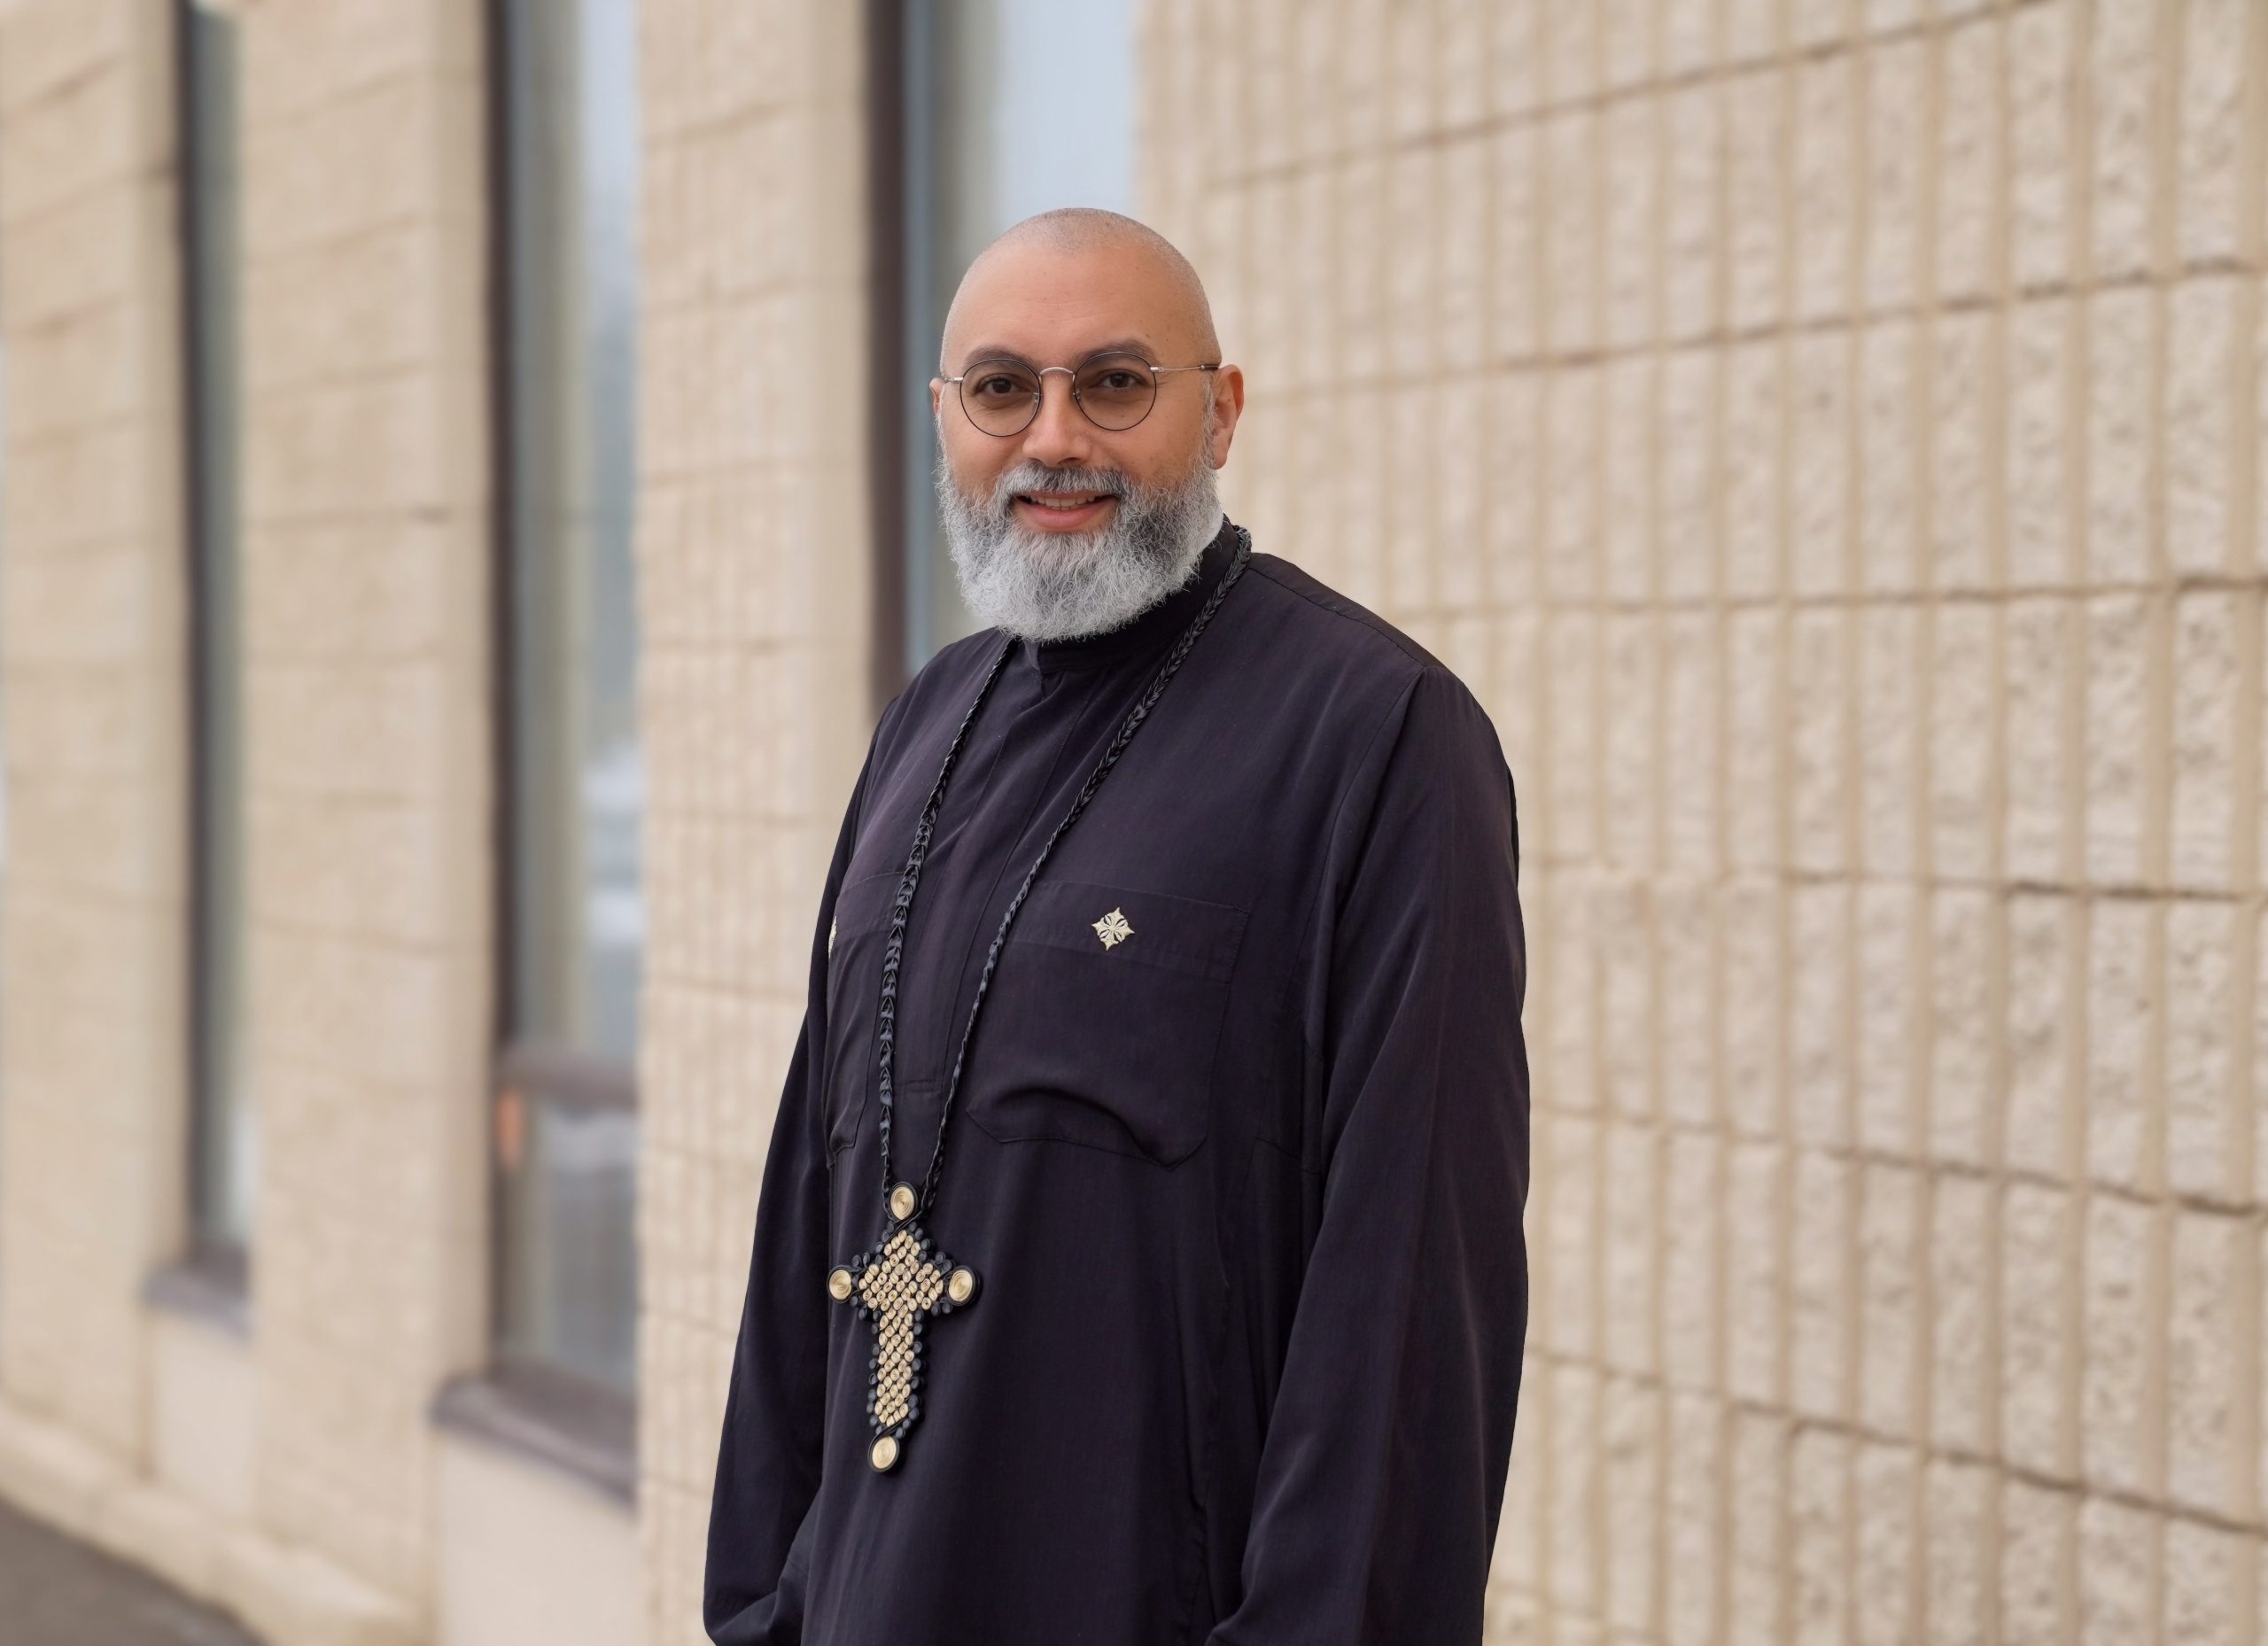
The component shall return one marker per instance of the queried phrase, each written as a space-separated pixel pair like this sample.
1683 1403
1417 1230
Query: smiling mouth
1063 502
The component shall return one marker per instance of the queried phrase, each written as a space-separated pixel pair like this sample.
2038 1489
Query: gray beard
1048 586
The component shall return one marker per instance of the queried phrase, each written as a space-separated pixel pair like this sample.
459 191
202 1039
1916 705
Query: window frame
895 176
212 1277
523 1403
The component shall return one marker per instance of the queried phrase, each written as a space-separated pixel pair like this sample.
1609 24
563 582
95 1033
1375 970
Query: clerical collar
1149 631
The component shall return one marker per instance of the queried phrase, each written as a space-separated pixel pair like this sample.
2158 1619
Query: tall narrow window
566 1110
996 125
225 1132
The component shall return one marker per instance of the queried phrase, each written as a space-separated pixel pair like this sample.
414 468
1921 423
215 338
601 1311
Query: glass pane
578 780
999 125
227 1128
570 1217
567 1291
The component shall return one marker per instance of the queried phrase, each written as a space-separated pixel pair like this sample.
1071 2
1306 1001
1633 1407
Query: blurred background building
465 470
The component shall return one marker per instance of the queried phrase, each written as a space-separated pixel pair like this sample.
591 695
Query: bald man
1139 1257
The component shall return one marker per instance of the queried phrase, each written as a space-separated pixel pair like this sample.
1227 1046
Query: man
1203 1323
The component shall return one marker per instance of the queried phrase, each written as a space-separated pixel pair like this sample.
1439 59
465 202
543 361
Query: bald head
1064 499
1053 259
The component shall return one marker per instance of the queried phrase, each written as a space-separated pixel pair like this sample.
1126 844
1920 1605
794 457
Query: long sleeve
1382 1470
768 1456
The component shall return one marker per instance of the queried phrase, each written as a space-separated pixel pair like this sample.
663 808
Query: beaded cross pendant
898 1286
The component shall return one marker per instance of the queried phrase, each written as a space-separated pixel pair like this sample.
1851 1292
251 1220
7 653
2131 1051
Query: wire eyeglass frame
975 368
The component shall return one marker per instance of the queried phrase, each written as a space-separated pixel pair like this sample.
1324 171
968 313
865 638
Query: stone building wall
753 539
366 549
287 1469
316 1499
93 586
1828 434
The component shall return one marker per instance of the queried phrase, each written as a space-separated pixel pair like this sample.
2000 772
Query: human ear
1228 406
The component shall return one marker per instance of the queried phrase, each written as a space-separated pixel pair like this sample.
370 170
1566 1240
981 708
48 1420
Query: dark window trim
503 505
196 500
503 655
210 1265
583 1430
887 354
187 199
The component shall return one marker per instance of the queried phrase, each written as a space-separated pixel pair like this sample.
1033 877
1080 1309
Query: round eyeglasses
1114 389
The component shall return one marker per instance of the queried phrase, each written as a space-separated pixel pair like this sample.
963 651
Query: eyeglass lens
1002 396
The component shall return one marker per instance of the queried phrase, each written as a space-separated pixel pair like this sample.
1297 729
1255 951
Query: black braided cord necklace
903 1278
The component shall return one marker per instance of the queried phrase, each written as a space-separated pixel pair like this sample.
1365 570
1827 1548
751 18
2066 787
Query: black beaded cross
898 1283
902 1279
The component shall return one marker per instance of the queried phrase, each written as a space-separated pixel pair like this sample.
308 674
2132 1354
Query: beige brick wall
753 545
366 553
92 1173
365 550
1828 434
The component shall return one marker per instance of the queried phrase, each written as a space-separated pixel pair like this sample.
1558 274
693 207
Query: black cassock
1244 1184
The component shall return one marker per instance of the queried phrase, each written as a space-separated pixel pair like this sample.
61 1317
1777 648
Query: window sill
579 1428
211 1284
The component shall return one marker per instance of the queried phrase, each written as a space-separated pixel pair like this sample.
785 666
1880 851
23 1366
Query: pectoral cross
898 1286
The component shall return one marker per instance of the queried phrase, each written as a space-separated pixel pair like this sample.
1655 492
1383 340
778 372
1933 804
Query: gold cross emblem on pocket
1113 928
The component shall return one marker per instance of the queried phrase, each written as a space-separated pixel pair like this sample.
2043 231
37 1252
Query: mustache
1038 477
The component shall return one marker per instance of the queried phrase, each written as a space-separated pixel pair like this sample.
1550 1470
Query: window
997 122
224 1125
572 921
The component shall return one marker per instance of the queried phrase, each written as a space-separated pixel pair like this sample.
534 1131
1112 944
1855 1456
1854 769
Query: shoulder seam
1370 620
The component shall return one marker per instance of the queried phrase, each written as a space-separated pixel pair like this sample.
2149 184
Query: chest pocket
854 981
1104 1020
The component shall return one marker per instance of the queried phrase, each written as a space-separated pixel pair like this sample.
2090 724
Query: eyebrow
1115 345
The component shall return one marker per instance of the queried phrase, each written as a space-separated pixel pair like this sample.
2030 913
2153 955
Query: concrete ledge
52 1475
290 1596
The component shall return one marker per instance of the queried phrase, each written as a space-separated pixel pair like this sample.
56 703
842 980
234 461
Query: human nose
1059 435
